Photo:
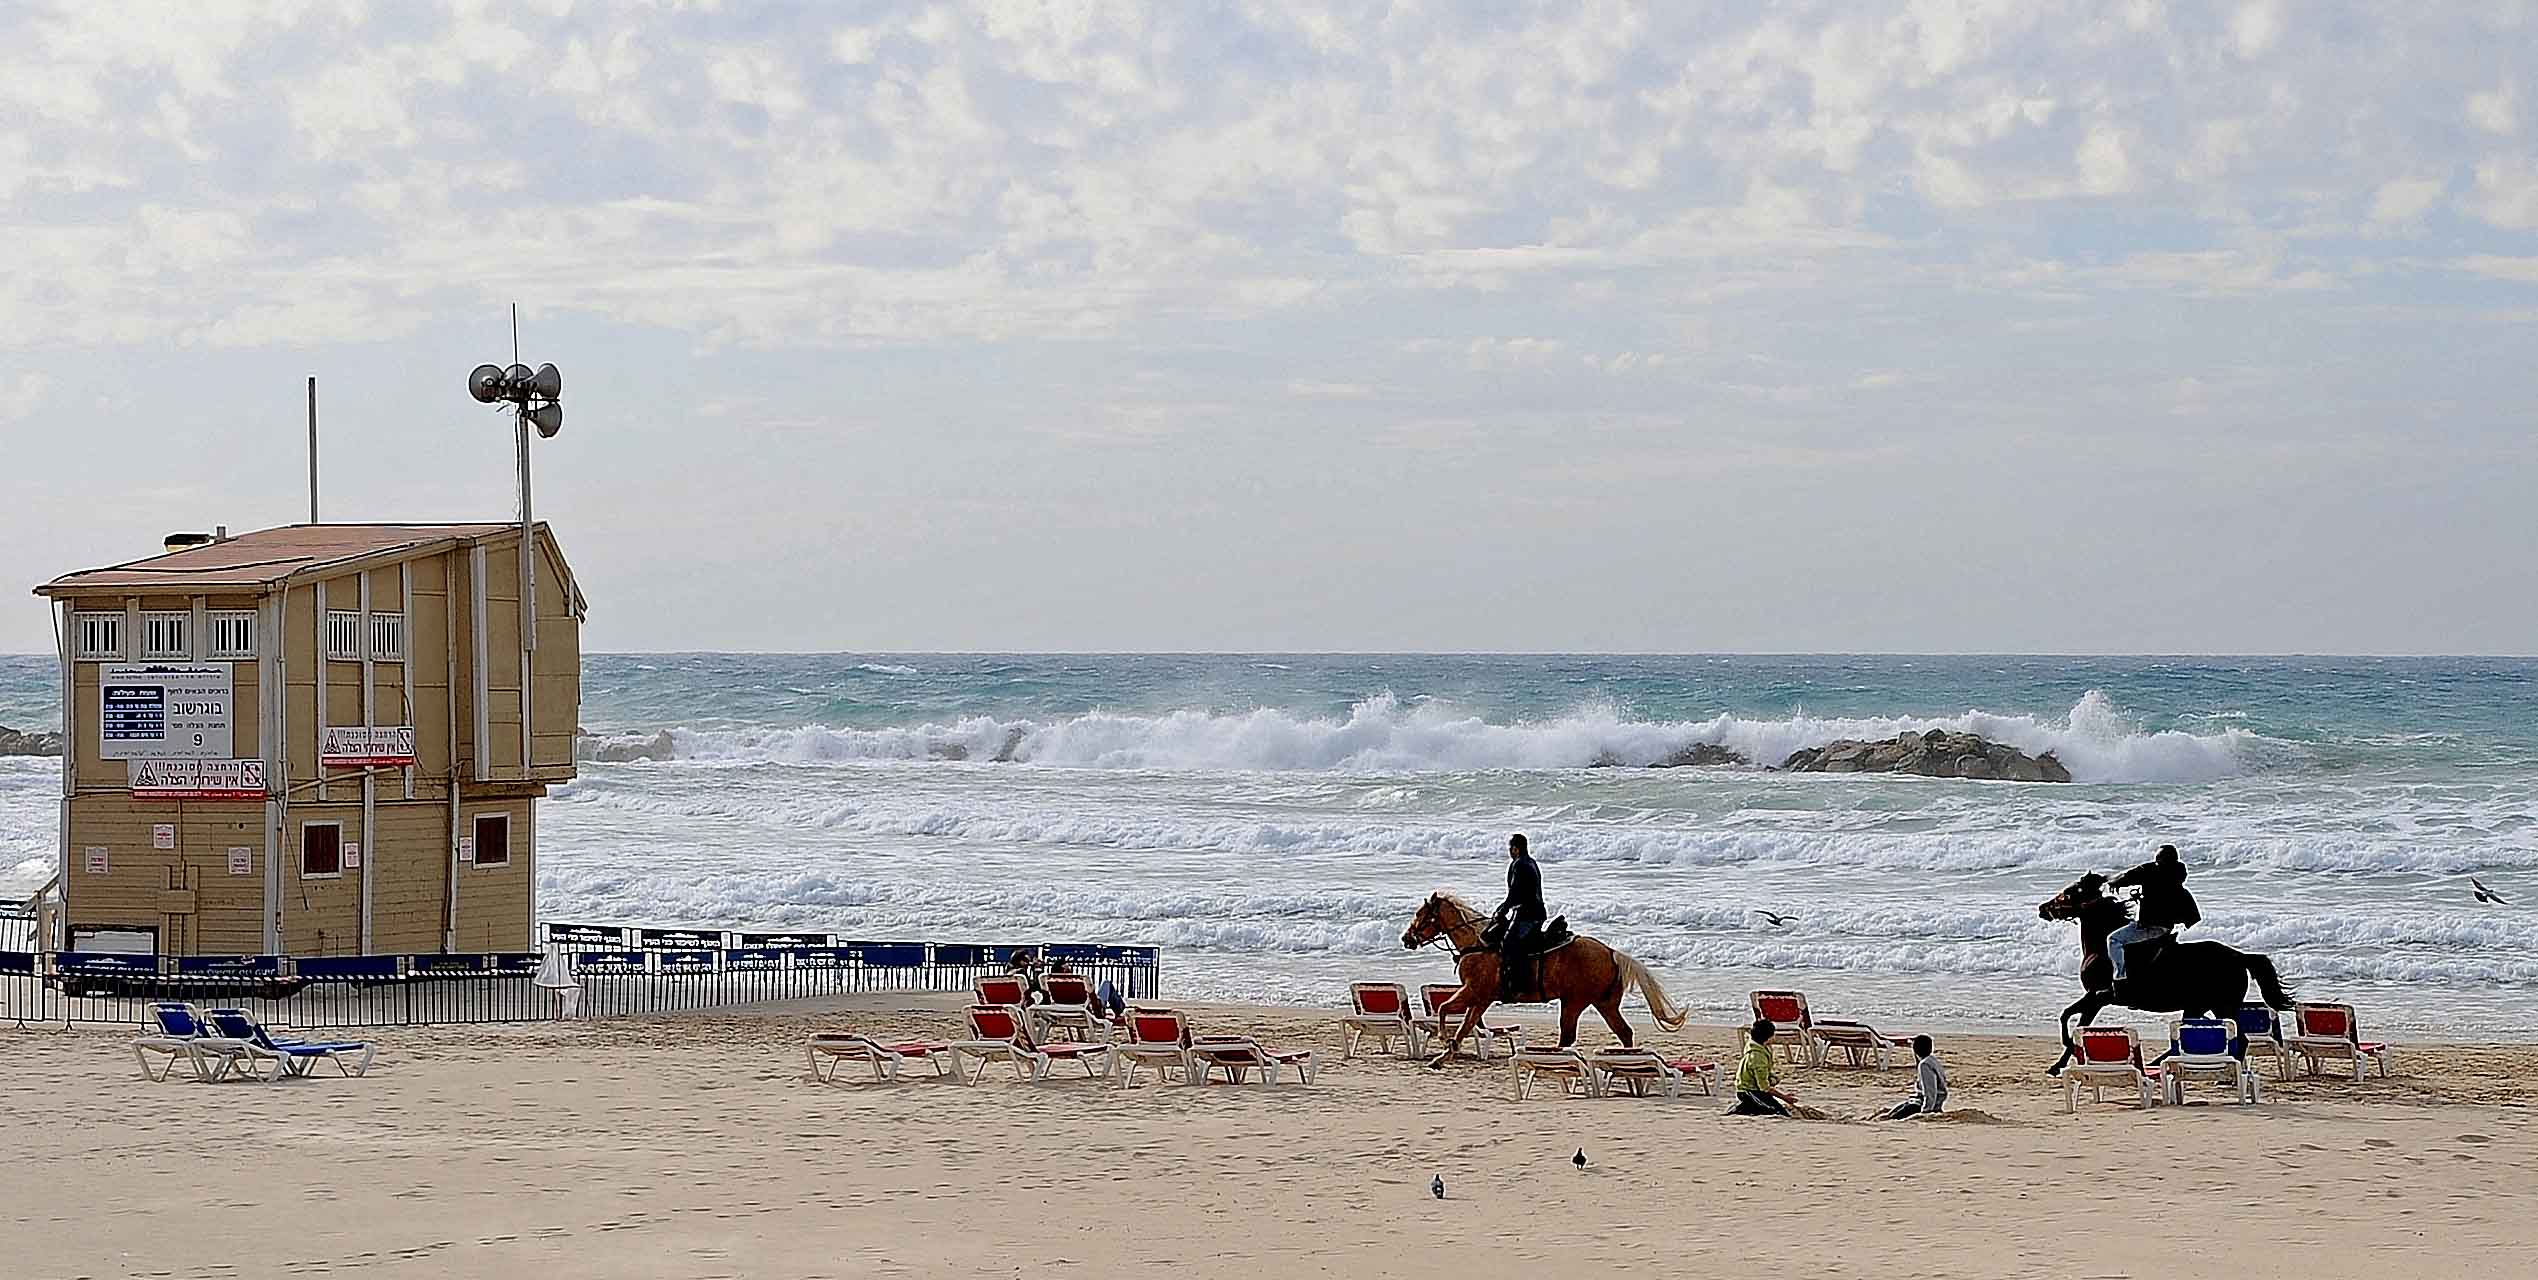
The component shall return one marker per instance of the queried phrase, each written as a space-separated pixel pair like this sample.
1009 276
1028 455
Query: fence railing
641 971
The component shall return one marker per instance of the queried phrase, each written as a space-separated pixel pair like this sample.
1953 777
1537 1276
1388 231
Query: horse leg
1471 1019
2087 1007
1611 1009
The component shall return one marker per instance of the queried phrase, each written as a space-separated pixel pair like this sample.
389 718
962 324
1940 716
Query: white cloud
2104 167
2255 27
2506 193
2405 199
2495 110
2496 267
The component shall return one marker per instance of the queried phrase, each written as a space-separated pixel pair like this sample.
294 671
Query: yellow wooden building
314 740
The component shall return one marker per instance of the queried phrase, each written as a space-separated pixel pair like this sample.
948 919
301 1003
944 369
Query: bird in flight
1579 1159
1774 918
2484 894
1436 1187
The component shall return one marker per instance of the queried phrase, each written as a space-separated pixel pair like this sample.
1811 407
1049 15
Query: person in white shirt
1930 1092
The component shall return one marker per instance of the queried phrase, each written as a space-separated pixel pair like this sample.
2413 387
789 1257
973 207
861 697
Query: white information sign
354 746
96 859
163 713
352 856
467 848
242 860
197 779
163 836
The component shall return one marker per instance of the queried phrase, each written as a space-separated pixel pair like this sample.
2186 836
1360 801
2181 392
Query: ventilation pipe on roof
220 533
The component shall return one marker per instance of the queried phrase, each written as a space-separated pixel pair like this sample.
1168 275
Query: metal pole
312 449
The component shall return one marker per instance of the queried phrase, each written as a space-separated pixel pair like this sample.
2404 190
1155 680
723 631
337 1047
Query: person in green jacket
1758 1091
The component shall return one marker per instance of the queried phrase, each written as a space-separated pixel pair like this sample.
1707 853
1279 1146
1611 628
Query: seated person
1758 1092
1930 1090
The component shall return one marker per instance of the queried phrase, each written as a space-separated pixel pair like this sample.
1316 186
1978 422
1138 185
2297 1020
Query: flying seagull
1774 918
1579 1159
1436 1187
2484 894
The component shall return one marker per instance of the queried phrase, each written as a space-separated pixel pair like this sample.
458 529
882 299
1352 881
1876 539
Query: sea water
1272 821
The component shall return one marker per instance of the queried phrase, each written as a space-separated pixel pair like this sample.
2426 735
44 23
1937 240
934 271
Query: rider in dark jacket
1523 914
2165 905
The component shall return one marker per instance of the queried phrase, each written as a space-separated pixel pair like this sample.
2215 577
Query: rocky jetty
1936 754
1699 753
27 742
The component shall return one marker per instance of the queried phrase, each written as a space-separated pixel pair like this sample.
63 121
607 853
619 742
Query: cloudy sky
1945 325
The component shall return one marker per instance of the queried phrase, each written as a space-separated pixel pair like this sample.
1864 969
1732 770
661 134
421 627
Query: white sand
697 1147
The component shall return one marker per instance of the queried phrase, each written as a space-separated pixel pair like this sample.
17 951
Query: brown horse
1582 975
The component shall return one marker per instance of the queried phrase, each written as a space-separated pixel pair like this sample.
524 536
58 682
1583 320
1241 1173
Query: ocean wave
885 668
2095 740
1867 841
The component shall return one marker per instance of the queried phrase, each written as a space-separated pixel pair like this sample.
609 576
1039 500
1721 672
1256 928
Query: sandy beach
698 1147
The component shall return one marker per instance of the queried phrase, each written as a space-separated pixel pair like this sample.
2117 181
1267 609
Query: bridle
1445 933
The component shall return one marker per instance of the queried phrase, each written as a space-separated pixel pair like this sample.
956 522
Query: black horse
2198 979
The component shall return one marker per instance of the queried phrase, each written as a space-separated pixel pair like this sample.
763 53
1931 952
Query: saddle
1524 985
1553 935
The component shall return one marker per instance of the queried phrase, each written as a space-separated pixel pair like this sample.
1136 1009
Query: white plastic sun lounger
1567 1066
1242 1059
1379 1011
296 1058
178 1031
1640 1072
831 1052
2109 1057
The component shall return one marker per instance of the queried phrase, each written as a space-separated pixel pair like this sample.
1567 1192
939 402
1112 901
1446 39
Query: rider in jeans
2165 906
1523 914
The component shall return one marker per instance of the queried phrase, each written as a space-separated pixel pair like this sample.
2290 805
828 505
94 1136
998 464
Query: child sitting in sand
1930 1091
1757 1090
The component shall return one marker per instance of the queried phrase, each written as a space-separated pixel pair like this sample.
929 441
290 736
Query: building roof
270 557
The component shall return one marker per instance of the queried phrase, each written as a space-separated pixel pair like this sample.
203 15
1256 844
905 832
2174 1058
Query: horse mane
1455 900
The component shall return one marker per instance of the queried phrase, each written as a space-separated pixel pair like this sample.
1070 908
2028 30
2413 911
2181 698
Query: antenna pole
312 448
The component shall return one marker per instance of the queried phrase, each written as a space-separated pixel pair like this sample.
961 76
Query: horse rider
2165 907
1522 914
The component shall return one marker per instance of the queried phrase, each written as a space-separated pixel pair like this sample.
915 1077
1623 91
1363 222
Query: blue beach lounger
177 1030
289 1057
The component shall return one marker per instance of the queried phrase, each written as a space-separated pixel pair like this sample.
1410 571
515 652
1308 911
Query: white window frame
99 634
343 635
475 831
158 625
214 650
387 637
338 872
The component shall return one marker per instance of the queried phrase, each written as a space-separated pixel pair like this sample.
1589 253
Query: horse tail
1668 1014
2277 996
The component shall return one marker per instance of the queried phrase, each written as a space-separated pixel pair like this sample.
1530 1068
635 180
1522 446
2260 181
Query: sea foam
2095 740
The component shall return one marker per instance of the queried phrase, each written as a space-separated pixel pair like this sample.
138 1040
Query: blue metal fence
614 971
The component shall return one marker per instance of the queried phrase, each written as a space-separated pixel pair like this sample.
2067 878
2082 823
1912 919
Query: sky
1950 325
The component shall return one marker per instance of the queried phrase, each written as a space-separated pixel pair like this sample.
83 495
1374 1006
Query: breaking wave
2095 740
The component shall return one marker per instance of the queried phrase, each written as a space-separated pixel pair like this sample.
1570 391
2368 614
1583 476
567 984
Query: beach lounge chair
2320 1032
2200 1049
1787 1011
1568 1066
836 1050
1640 1072
1011 992
1067 1005
2260 1036
998 1033
1857 1041
1157 1038
1506 1036
1239 1057
1378 1011
2108 1056
177 1030
252 1043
